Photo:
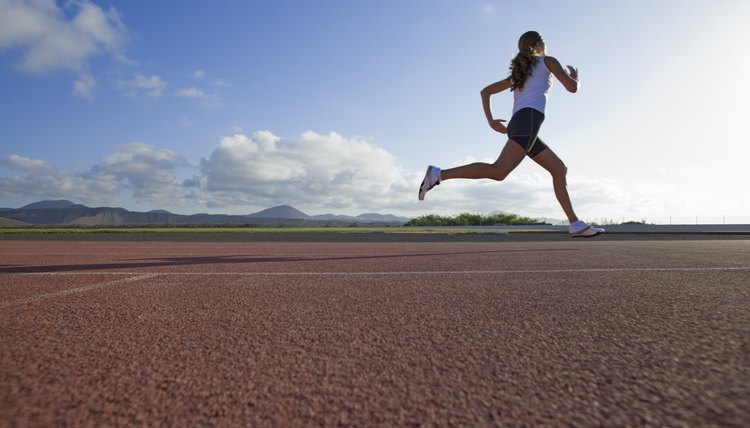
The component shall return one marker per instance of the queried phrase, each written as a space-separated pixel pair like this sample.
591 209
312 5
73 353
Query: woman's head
531 42
530 46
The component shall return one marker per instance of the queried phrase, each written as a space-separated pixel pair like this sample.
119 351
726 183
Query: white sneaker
580 229
431 179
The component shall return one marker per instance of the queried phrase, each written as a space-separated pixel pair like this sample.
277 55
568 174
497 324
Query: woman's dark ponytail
523 64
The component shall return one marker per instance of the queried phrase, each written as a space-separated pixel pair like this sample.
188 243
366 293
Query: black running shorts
523 129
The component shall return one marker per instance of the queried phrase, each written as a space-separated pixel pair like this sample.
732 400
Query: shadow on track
237 259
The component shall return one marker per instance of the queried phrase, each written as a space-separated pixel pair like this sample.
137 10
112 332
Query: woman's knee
560 173
499 173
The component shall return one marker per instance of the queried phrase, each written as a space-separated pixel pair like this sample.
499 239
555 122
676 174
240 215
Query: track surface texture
576 333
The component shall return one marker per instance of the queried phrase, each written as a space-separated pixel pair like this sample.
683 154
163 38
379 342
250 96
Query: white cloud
206 100
144 171
215 82
190 93
151 86
221 83
84 86
27 164
49 37
148 171
38 178
314 171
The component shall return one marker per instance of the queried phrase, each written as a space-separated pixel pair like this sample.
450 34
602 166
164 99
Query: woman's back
535 89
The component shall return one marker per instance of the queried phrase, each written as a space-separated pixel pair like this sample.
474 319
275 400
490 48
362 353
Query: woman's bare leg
549 161
509 158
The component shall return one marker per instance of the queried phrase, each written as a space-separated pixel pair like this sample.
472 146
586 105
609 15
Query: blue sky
338 106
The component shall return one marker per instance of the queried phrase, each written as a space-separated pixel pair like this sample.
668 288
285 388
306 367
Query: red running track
390 334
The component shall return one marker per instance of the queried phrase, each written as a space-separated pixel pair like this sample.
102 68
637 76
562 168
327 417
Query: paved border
479 236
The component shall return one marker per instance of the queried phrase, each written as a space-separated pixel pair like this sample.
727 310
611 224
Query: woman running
530 81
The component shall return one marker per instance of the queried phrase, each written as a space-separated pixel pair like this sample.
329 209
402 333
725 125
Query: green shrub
469 219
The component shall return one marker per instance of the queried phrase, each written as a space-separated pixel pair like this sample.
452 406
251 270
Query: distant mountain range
63 212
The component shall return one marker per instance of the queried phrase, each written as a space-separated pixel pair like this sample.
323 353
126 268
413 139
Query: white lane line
84 289
147 275
384 273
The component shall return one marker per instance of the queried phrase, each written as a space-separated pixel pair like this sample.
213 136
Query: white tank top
535 90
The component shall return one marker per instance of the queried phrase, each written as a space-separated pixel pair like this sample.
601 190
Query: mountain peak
282 211
46 205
